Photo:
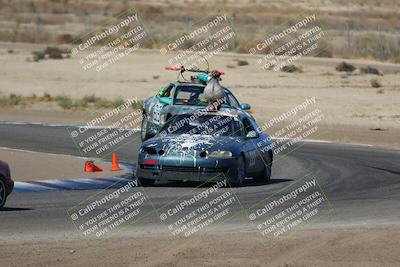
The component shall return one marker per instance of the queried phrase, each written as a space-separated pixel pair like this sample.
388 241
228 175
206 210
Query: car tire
145 182
240 173
265 175
143 129
3 193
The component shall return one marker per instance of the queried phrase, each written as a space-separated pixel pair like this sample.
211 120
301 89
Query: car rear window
189 95
192 95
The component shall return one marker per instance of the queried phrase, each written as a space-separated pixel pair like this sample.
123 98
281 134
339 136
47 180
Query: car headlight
220 154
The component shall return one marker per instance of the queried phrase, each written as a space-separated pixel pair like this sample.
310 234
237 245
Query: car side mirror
252 134
245 106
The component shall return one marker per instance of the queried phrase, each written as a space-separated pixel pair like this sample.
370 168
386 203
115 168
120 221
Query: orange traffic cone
97 169
115 166
90 167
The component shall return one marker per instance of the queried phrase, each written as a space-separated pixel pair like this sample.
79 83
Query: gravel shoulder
328 247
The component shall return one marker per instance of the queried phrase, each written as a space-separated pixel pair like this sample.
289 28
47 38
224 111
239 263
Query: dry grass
62 21
375 83
65 102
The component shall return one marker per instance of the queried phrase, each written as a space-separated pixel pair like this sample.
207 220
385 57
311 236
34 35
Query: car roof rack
199 78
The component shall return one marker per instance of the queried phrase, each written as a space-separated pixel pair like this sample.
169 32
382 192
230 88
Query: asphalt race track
361 183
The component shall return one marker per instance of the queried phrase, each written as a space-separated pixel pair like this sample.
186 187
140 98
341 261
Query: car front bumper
178 169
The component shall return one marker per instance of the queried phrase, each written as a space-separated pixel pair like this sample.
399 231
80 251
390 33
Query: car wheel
143 130
3 195
241 173
145 182
265 175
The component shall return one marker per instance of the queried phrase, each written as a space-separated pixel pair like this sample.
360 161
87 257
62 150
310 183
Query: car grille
183 169
180 169
191 169
149 167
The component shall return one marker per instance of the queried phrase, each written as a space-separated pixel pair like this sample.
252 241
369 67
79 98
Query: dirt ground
30 166
371 26
328 247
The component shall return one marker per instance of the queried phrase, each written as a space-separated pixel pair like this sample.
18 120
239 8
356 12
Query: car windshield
191 95
204 124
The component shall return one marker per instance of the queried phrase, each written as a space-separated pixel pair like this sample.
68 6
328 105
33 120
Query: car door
253 162
262 150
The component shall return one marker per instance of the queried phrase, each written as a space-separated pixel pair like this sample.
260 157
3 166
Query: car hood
189 144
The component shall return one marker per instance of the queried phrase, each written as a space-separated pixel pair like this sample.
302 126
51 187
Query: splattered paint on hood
183 144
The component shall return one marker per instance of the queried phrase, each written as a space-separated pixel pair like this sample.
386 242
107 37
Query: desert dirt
328 247
357 28
31 166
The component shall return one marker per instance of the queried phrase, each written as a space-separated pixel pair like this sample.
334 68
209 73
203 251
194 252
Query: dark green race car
178 98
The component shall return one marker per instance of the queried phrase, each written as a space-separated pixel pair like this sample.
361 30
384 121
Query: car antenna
182 69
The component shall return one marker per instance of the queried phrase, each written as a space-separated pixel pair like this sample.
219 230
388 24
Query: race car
6 184
177 98
207 146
